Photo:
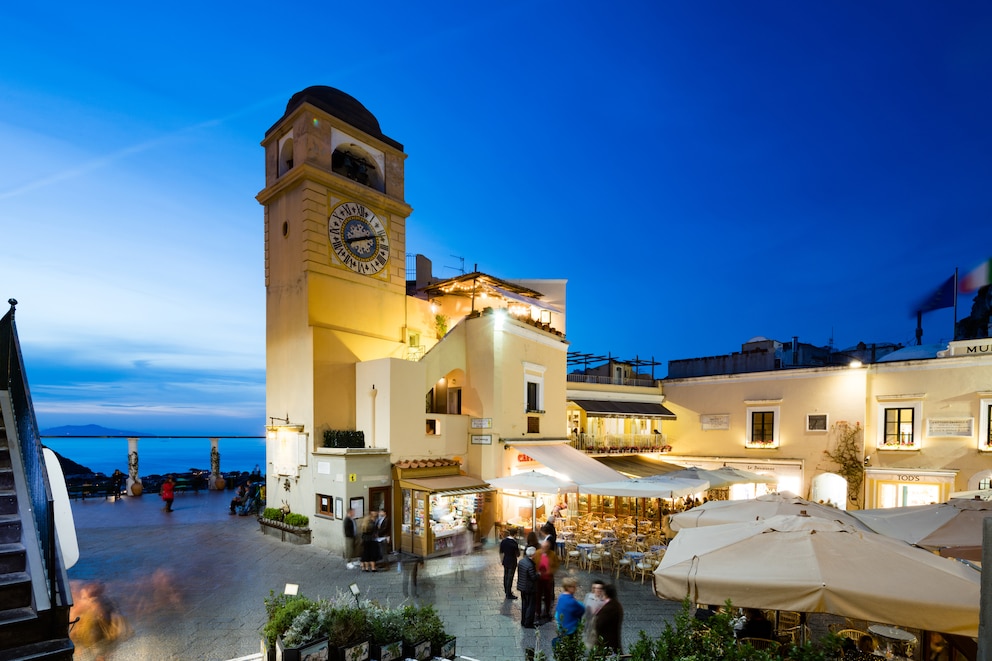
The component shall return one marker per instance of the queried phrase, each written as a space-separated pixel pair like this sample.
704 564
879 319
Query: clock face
358 238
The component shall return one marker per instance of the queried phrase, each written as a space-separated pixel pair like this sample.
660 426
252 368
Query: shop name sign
970 348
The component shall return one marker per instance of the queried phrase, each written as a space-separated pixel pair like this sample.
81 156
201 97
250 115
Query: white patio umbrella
534 482
720 478
746 477
953 528
717 512
814 565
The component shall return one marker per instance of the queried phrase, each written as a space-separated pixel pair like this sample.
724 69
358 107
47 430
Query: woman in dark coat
609 621
370 547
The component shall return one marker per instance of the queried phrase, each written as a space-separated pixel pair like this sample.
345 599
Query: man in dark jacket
509 551
527 587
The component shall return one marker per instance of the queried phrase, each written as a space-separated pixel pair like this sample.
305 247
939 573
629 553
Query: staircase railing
36 477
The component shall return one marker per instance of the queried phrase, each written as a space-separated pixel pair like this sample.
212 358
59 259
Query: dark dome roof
341 105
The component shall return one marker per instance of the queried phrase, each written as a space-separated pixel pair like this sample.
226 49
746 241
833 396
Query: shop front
905 487
437 512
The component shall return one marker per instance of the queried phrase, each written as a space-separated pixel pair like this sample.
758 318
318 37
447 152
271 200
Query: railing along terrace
608 380
619 443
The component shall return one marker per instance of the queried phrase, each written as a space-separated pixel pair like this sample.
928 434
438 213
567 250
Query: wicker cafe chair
760 644
853 634
572 554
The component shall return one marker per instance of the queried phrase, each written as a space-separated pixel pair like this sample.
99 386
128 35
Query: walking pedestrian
168 492
350 535
609 621
527 587
509 553
411 568
569 611
593 602
546 561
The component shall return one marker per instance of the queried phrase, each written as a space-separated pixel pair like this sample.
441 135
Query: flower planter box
445 650
356 652
388 652
268 653
310 652
286 533
420 651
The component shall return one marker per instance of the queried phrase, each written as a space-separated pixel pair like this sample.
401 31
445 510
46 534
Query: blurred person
527 587
546 561
609 621
569 611
509 553
593 602
168 492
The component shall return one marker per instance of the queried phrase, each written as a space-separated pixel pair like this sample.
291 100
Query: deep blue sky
699 172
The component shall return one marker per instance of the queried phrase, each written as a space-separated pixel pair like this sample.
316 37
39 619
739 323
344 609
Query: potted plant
347 633
306 635
422 630
385 628
281 610
288 526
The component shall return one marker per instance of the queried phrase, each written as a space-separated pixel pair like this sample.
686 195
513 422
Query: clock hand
363 238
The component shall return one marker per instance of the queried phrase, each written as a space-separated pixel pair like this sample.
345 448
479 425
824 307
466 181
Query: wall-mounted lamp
867 459
855 364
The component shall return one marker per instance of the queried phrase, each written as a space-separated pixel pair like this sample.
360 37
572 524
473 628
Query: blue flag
942 297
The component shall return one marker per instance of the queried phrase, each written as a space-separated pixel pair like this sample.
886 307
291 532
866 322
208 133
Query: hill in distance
90 430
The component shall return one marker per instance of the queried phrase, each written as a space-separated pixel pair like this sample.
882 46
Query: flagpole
954 330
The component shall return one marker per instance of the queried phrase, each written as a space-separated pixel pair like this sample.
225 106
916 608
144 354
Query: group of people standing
375 534
535 570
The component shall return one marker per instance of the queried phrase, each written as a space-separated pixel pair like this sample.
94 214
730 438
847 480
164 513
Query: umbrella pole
533 511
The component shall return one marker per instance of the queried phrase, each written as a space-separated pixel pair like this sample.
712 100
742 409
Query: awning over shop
638 466
608 408
567 461
450 485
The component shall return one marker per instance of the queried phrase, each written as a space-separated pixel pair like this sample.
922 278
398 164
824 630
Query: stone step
60 649
15 590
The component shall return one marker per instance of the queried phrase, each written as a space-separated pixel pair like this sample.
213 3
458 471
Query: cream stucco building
437 375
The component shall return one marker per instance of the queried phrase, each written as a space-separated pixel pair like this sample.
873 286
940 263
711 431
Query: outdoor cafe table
584 549
900 640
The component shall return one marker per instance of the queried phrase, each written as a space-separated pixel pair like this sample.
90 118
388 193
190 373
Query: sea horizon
160 455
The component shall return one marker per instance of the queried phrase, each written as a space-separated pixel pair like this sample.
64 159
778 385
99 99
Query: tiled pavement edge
191 584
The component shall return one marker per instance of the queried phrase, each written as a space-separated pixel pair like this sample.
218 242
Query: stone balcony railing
620 443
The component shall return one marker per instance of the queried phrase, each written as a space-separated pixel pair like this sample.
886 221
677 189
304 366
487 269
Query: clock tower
335 248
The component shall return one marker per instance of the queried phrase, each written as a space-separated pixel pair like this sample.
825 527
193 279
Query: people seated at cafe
756 625
863 651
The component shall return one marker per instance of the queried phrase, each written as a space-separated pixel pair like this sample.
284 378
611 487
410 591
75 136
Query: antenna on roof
461 269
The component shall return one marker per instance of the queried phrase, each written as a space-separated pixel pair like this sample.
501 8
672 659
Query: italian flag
976 278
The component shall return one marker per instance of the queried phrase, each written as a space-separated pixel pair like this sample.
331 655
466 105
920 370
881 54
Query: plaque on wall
482 439
482 423
950 427
711 421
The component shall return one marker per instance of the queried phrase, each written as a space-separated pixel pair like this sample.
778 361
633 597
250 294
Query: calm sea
158 456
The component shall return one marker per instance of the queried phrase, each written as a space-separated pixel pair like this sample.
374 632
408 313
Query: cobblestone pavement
190 584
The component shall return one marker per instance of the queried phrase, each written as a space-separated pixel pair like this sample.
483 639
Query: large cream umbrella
814 565
718 512
953 528
533 483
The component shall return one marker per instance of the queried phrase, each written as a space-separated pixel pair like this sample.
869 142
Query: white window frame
983 425
776 427
917 406
534 373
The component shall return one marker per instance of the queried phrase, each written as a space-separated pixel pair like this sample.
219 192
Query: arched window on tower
350 160
285 154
